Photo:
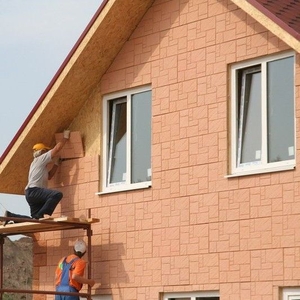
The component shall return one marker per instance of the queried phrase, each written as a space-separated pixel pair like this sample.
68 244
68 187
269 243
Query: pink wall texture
194 229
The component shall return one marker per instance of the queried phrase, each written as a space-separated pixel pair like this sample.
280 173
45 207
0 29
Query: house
188 113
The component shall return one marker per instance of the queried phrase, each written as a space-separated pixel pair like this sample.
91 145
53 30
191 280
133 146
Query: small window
263 115
192 296
127 140
291 293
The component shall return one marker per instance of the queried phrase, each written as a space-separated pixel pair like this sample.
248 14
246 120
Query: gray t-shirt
38 172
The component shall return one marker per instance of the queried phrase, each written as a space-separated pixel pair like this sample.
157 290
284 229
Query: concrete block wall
193 229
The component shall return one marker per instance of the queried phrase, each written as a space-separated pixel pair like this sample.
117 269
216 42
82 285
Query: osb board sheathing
72 87
88 121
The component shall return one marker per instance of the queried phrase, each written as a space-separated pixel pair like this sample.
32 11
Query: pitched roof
281 17
283 12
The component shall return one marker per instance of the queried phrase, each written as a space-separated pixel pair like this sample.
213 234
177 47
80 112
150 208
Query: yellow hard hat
40 146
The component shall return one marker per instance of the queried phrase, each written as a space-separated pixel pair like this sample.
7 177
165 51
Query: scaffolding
28 227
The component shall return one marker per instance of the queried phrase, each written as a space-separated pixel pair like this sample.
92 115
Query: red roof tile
286 13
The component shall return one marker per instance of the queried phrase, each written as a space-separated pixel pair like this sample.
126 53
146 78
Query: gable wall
194 229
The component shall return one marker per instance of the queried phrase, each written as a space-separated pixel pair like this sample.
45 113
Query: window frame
191 295
120 186
264 167
292 293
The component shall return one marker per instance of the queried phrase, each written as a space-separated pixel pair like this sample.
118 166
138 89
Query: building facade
190 141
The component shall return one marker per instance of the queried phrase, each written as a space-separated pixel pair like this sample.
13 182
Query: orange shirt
78 267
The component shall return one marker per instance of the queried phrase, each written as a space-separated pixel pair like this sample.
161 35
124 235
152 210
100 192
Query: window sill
125 188
261 171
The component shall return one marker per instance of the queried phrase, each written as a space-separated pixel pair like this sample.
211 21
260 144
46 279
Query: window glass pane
280 89
249 131
117 143
141 137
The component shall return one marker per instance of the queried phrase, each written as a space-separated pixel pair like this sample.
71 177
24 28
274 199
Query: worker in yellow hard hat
42 201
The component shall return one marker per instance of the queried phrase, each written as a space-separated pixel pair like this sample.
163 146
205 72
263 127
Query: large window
127 140
192 296
263 115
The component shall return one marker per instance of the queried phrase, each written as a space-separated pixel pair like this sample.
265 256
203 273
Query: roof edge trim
269 21
274 18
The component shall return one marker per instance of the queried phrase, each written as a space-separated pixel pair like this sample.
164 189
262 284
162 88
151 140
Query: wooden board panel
73 147
26 226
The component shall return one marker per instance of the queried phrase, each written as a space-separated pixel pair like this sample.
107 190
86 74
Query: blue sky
35 38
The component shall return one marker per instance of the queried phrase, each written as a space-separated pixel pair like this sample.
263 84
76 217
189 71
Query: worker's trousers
66 288
42 201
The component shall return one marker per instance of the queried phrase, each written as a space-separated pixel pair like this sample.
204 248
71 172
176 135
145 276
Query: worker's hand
57 161
67 134
91 282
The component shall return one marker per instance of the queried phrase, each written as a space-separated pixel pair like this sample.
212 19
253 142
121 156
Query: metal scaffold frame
30 226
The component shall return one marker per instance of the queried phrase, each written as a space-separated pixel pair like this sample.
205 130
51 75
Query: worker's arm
59 145
83 280
55 153
54 168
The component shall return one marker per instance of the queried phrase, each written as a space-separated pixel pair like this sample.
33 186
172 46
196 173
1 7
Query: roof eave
271 22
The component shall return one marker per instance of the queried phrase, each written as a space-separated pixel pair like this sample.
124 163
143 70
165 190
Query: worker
42 201
69 274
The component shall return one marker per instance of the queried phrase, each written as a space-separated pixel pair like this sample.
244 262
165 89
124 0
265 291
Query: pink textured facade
195 228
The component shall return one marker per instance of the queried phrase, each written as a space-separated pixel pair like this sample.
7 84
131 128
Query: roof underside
70 88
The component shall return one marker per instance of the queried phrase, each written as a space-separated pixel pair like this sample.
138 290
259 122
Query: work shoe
7 214
37 217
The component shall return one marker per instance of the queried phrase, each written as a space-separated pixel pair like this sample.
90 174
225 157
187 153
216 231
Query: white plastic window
291 294
263 115
210 295
127 140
